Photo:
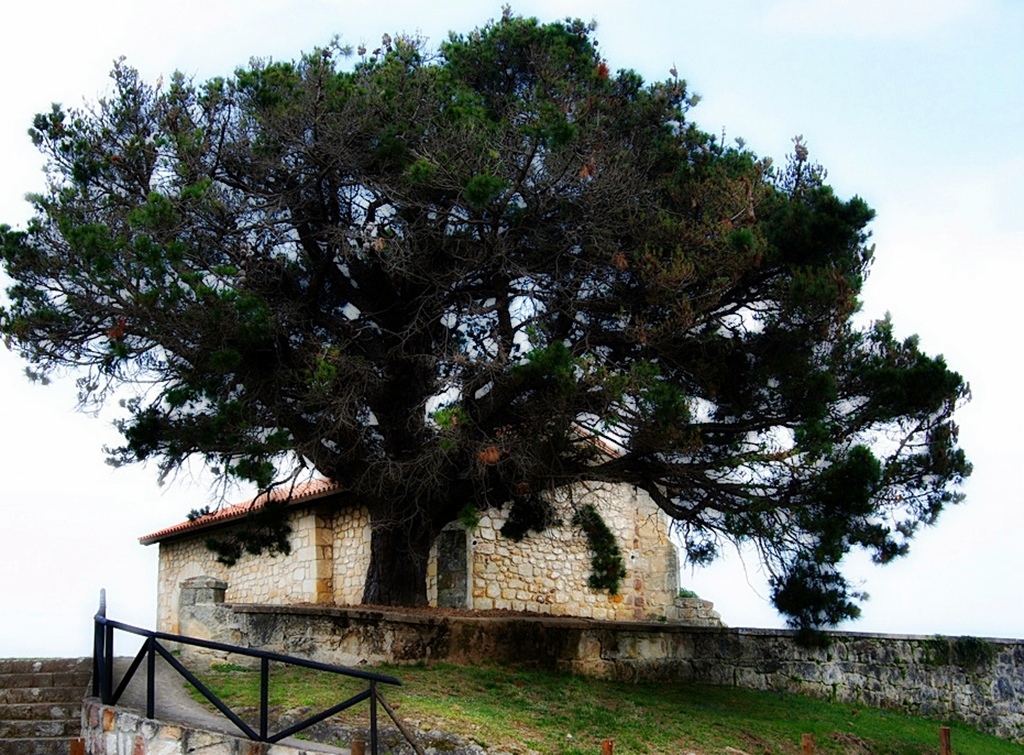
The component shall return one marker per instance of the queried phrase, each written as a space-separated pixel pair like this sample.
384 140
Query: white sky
916 105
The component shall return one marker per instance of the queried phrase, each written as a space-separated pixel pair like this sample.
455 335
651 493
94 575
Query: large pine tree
435 277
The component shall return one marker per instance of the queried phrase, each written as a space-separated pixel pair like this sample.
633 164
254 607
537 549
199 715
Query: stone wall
116 731
548 572
545 573
329 554
351 555
273 581
921 675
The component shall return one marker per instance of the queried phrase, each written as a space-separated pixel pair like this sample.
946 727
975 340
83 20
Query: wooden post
409 736
77 746
944 747
607 746
358 747
806 744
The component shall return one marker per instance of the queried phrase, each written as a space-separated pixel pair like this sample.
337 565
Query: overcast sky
915 105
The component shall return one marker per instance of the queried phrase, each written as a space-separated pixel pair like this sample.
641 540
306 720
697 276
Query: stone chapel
480 570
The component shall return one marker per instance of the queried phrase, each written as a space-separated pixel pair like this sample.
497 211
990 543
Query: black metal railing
104 688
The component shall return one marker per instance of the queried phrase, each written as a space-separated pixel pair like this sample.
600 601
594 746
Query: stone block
651 647
588 649
201 590
164 747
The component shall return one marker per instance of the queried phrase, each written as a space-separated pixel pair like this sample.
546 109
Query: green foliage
553 363
812 594
259 472
265 530
324 373
421 171
449 417
469 517
606 567
483 189
972 652
938 651
684 593
225 360
967 652
290 263
528 514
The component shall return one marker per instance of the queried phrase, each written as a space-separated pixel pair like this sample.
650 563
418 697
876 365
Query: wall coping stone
209 582
202 590
569 622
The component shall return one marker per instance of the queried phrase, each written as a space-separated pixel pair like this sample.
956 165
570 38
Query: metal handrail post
97 656
151 677
97 646
108 665
264 696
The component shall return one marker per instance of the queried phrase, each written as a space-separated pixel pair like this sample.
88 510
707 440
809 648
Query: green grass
519 710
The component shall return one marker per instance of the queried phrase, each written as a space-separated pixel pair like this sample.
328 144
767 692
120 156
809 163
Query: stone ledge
429 618
115 731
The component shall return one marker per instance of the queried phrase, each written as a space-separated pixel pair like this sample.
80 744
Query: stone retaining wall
116 731
978 682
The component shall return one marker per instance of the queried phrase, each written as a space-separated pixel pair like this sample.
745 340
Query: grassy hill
522 711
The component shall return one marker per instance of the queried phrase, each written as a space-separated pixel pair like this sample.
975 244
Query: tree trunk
397 575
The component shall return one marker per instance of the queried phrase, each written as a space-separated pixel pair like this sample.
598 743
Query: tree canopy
437 276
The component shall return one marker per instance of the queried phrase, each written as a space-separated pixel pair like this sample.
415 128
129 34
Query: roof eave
188 529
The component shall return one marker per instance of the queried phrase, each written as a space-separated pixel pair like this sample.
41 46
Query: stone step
44 679
12 729
53 711
45 665
36 746
41 703
35 695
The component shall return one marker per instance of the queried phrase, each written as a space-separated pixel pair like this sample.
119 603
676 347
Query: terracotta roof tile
302 492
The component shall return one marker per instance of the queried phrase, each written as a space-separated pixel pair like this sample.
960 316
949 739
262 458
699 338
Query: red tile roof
300 493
